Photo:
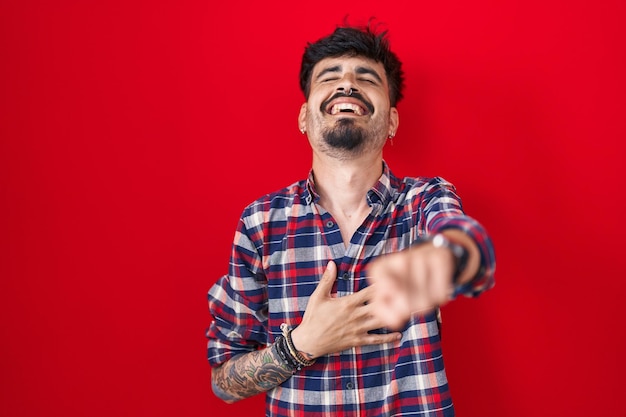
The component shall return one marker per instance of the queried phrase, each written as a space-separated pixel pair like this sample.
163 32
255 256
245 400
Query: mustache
356 95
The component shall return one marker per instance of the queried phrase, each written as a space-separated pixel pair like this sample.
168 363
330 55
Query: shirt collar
380 194
310 195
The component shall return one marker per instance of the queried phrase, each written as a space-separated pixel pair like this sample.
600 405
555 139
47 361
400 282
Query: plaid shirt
281 248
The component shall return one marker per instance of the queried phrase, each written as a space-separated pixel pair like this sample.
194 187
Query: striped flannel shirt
282 245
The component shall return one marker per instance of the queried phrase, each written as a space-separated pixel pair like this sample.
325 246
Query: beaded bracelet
292 349
280 345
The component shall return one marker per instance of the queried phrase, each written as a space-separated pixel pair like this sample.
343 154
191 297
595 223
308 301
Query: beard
345 136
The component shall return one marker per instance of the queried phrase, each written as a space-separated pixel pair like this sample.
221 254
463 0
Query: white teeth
346 106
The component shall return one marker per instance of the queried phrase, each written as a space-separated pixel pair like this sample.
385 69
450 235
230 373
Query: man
330 304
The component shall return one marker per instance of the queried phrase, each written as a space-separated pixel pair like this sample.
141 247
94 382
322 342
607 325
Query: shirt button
349 385
345 275
329 224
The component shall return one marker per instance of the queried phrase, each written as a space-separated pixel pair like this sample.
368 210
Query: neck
343 185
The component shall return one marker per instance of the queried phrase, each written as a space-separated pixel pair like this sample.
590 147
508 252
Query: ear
394 121
302 118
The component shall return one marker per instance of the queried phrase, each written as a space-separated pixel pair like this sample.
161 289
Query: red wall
133 133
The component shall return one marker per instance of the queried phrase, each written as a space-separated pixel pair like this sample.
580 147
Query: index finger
366 294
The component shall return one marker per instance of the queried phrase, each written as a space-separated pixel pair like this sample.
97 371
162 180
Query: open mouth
346 108
340 104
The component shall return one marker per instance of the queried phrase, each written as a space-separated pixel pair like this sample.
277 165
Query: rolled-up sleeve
442 209
238 303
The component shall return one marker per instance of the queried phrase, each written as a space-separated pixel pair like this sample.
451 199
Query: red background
133 133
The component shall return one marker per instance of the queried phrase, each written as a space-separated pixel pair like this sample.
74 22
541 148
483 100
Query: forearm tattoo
248 374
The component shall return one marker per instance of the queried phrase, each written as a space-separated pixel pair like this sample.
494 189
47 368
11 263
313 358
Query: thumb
325 285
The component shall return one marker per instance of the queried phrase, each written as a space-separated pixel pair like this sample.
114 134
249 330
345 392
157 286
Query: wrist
302 357
303 343
459 253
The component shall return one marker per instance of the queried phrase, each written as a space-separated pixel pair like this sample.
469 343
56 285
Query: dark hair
354 41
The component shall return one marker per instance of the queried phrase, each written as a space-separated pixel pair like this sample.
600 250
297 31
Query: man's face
348 111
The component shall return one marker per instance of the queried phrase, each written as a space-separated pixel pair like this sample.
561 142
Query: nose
347 90
346 83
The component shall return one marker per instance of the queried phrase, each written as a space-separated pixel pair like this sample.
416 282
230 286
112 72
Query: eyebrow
367 70
359 70
336 68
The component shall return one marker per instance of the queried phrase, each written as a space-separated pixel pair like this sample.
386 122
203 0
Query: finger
421 291
385 267
377 292
325 285
374 293
383 318
389 270
363 296
389 308
440 282
417 284
392 314
379 339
